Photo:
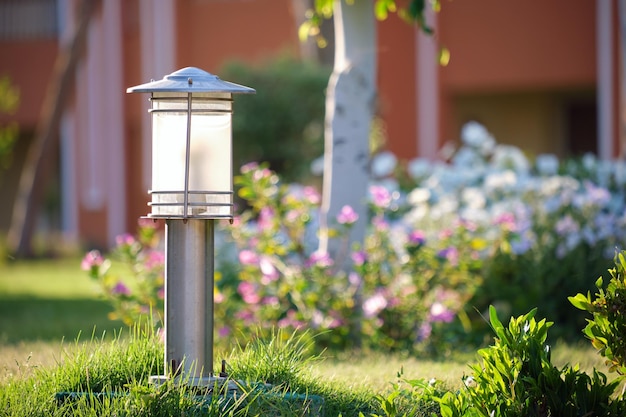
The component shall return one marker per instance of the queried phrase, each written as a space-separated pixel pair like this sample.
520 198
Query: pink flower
247 316
120 289
92 259
292 216
440 313
359 257
270 301
380 223
374 305
417 237
334 322
155 259
445 234
320 259
261 173
354 279
451 254
268 270
125 239
347 215
506 221
290 321
248 293
311 195
250 166
223 331
381 197
248 257
266 216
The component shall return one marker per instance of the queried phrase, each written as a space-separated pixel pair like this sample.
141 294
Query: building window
581 118
28 19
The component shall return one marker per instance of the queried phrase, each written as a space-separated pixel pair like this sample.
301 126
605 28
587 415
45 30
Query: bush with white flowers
445 240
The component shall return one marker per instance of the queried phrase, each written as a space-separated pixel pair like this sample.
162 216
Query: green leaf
303 31
496 324
444 56
622 261
380 10
324 7
580 301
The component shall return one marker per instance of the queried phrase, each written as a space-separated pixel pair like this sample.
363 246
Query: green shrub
516 378
283 122
9 101
607 328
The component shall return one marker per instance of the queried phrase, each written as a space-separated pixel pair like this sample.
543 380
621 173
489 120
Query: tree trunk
622 52
35 173
350 105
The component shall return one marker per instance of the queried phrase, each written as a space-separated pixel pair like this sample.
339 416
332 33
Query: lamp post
192 186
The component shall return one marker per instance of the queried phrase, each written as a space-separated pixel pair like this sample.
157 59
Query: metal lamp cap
191 80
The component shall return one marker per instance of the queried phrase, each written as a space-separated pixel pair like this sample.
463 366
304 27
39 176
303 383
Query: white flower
383 164
416 215
500 180
511 158
419 196
419 168
476 215
589 161
446 204
475 135
467 157
558 185
374 305
547 164
473 198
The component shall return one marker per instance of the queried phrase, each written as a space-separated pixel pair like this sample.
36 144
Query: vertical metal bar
187 157
189 297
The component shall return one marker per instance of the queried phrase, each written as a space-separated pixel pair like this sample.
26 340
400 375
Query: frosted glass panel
210 163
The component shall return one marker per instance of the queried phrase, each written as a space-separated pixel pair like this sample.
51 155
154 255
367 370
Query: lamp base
210 383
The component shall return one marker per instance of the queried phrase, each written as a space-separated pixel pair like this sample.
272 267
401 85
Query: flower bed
444 241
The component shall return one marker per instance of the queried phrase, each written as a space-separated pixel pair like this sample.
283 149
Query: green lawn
49 300
46 304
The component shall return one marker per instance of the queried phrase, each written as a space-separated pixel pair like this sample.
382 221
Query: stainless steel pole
189 280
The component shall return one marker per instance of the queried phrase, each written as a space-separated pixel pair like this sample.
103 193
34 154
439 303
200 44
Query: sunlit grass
45 305
48 301
46 278
112 378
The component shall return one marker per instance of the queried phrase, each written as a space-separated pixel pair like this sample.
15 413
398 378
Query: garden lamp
192 186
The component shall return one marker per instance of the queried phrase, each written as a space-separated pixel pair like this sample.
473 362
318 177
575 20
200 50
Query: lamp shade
191 144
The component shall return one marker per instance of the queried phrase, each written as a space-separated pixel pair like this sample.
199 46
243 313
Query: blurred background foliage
283 123
9 101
